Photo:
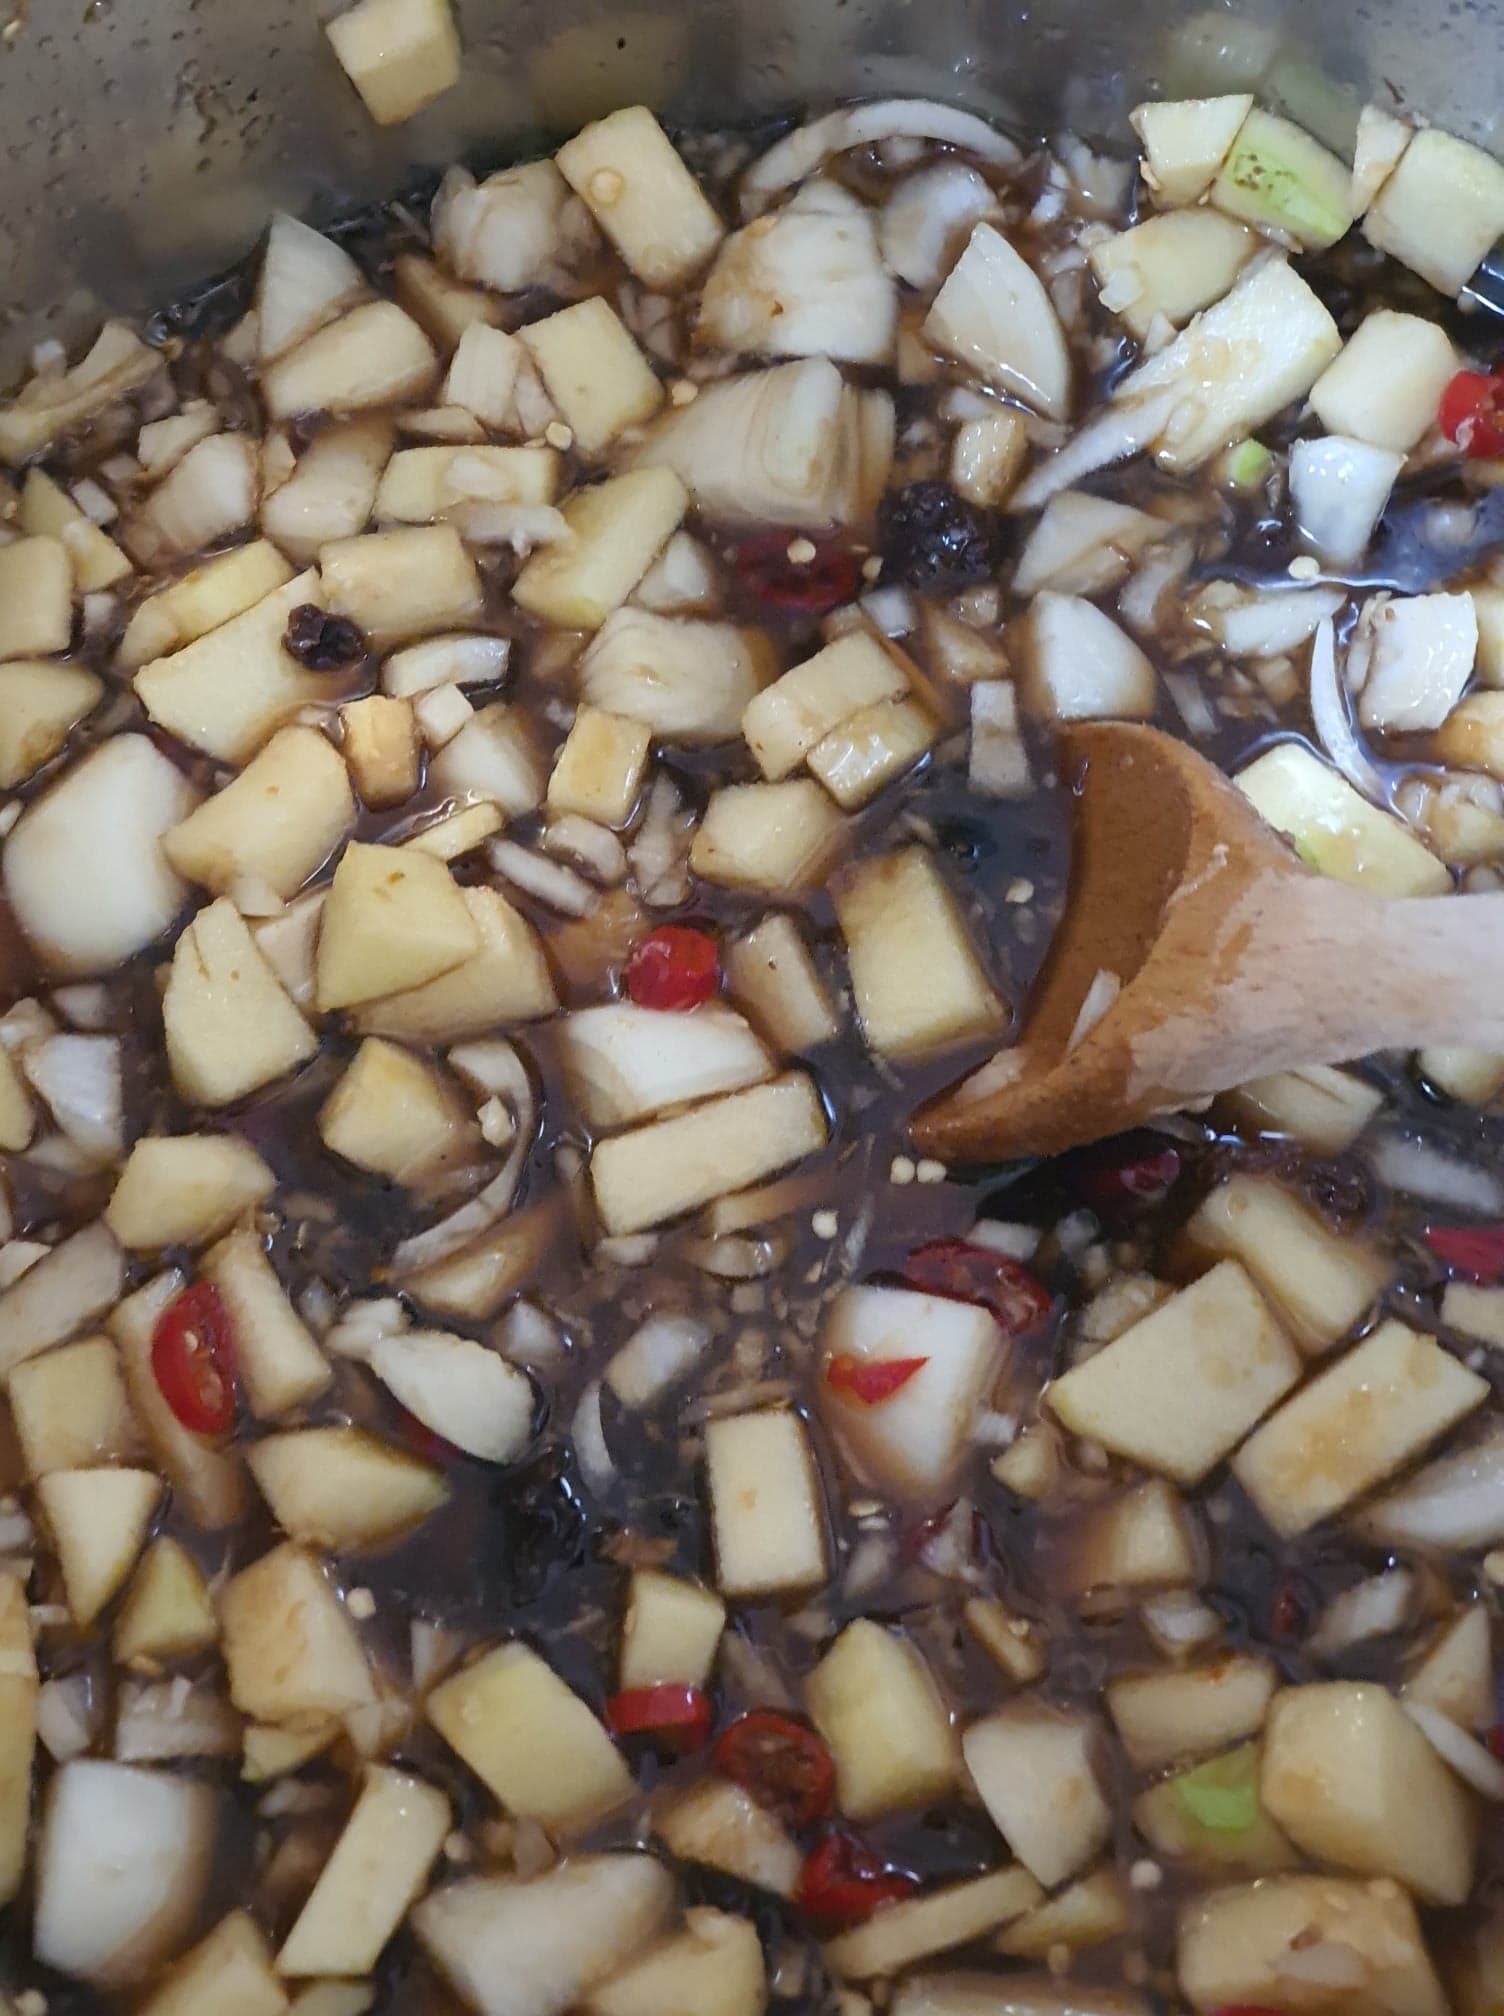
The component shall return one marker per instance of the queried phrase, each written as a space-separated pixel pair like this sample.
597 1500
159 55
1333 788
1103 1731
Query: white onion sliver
801 152
1464 1753
1422 1171
1333 723
1015 1242
1100 995
1126 428
1454 1504
657 1355
588 1433
1371 1609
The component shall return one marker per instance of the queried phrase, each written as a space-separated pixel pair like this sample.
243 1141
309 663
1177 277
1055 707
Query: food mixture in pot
528 733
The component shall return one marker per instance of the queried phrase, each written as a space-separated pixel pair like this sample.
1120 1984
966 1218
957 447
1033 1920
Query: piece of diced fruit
84 871
623 1063
718 1825
670 1632
1345 1949
788 719
275 823
1352 1780
399 54
1167 1717
712 1967
1322 1108
36 598
483 374
594 371
458 833
98 1520
1472 736
291 1651
874 1700
766 1504
1180 1389
995 316
917 1927
47 511
1079 666
777 837
1381 1404
373 356
17 1116
1277 177
1211 1816
772 972
493 756
446 310
1380 141
617 529
919 986
40 705
869 750
341 1488
230 689
626 171
536 1947
393 920
1386 385
1090 1912
393 1115
914 1441
1015 1645
18 1729
271 1752
1474 1076
331 491
474 1283
1336 830
599 771
305 280
1083 544
70 1408
138 1845
208 1482
229 1025
1142 1538
167 1612
381 748
210 493
1170 266
531 1741
1421 652
460 1390
379 1864
279 1364
1456 1675
668 1167
505 981
230 1972
1320 1282
1238 363
1186 140
1340 487
197 602
185 1189
403 583
1441 210
1033 1769
67 1288
688 682
987 457
420 484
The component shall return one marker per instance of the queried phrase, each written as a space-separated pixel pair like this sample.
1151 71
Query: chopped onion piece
364 1324
801 152
161 1719
1016 1242
1334 724
1454 1504
1464 1753
67 1716
82 1080
588 1433
659 1354
1422 1171
1371 1609
1126 428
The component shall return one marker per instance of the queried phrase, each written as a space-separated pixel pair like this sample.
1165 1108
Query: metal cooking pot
144 141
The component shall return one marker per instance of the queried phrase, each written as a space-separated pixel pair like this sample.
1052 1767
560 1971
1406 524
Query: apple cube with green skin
718 1825
915 1928
766 1504
874 1700
1379 1405
379 1864
1033 1769
1352 1781
1334 829
1211 1816
712 1967
1276 176
531 1740
230 1972
914 1441
1164 1718
292 1653
1180 1389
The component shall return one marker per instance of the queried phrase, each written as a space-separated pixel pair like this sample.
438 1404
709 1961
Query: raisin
934 540
322 641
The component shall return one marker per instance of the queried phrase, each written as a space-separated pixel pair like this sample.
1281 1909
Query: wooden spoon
1211 955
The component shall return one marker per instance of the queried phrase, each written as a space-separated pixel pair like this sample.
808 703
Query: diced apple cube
777 837
599 771
331 491
1143 1538
1015 1645
772 972
71 1410
226 692
766 1505
36 598
280 1365
617 529
458 833
1186 140
789 718
99 1521
1386 385
1351 1780
987 457
17 1115
446 310
275 823
379 1864
341 1488
48 512
718 1825
1090 1912
531 1741
596 375
393 920
420 484
1079 666
167 1612
1170 266
483 374
270 1752
381 748
1165 1718
623 1063
1345 1949
212 594
713 1967
917 1927
913 1442
1033 1769
1322 1108
229 1026
919 986
504 982
1475 1077
400 55
1456 1676
402 584
1334 829
670 1633
230 1972
660 1171
40 706
625 169
870 749
392 1114
291 1651
1421 652
536 1947
1441 210
1381 1404
374 356
1180 1389
1320 1283
492 755
185 1189
875 1701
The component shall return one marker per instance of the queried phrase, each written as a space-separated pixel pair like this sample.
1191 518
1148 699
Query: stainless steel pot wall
143 141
